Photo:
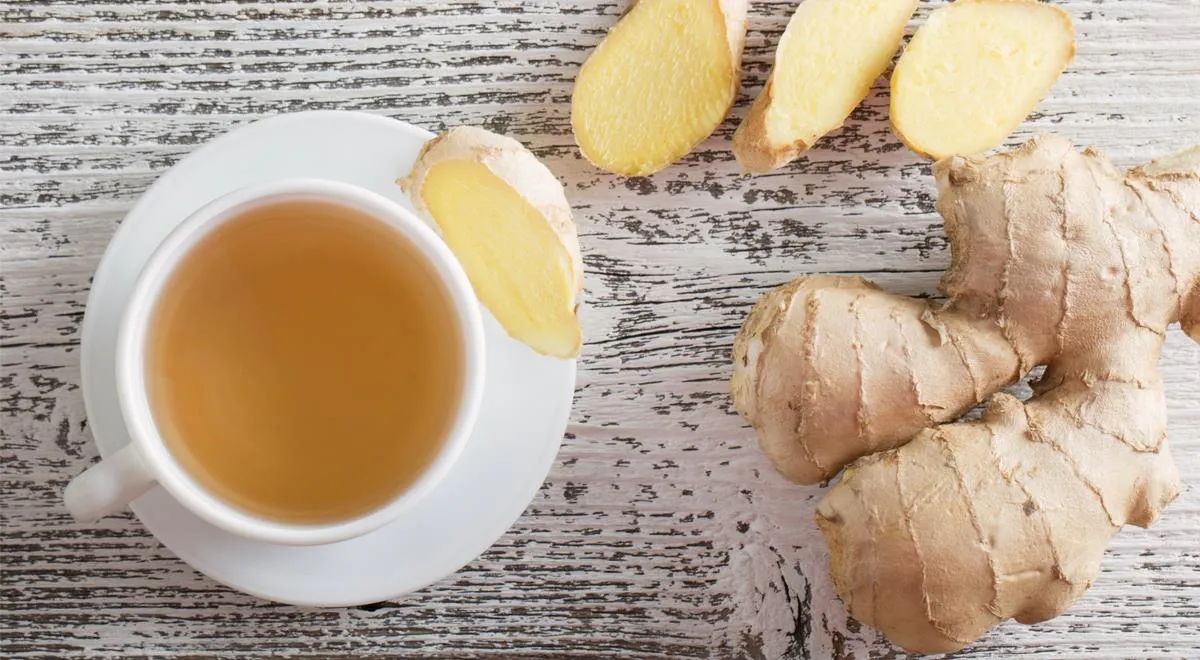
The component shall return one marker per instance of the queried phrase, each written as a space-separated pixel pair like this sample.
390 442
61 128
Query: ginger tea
304 363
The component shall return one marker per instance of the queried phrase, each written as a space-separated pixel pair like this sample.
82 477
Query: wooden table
661 531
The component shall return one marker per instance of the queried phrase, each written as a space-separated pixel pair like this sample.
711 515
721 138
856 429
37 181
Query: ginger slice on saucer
505 217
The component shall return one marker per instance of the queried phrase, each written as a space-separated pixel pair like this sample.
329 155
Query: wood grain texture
661 531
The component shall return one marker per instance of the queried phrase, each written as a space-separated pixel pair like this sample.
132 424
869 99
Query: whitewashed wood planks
661 531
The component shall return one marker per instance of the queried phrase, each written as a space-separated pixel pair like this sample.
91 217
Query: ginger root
659 83
1057 259
830 368
974 71
505 216
830 54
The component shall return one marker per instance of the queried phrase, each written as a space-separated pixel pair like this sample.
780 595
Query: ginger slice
974 71
659 83
830 54
506 218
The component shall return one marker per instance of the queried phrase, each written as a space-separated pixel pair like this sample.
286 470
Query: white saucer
526 401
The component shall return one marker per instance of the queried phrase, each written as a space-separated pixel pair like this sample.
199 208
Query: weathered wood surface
661 532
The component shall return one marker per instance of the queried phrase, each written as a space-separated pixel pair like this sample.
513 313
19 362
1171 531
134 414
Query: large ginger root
1058 260
659 84
974 71
505 216
830 54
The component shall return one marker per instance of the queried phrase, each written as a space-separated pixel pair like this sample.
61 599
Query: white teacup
112 484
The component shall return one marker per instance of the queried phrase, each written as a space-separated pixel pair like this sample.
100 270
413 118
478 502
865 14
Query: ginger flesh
516 264
1057 259
974 71
658 84
829 56
506 219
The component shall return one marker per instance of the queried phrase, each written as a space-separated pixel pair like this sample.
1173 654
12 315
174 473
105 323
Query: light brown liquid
303 363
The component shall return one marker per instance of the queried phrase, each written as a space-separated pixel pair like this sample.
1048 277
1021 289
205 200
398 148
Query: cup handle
108 486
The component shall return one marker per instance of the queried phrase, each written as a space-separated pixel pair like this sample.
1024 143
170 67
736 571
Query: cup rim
133 329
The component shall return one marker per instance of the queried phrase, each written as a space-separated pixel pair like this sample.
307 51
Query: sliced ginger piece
830 54
505 217
659 83
974 71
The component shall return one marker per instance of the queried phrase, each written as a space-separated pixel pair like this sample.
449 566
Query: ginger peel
1058 259
505 217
